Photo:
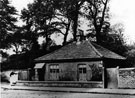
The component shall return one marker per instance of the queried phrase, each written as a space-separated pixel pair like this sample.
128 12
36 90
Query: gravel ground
41 94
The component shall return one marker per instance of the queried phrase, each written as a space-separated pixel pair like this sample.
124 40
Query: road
42 94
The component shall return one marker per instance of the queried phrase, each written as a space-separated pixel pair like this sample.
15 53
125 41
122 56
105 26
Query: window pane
80 70
54 71
50 70
84 70
51 67
57 70
82 66
54 68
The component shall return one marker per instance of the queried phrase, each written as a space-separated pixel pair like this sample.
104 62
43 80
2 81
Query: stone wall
126 78
78 84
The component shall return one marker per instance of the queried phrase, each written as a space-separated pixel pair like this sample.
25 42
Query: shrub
4 78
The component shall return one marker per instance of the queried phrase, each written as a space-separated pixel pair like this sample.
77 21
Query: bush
4 78
96 73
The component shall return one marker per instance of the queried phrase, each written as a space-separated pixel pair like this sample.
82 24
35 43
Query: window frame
82 68
54 68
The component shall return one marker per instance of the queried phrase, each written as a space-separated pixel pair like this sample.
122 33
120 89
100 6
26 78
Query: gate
112 77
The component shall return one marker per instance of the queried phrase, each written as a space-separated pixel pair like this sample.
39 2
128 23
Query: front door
54 72
82 73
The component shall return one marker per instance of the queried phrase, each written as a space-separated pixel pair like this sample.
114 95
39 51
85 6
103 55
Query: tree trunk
98 36
75 19
65 36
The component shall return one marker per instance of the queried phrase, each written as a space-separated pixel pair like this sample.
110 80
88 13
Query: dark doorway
41 74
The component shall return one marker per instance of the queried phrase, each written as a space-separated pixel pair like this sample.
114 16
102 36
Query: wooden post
118 76
103 79
105 75
28 74
36 74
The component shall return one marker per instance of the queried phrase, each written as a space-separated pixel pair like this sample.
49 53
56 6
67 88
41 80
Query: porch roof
82 50
39 65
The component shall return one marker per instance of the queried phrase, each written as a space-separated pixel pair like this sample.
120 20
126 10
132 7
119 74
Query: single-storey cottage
77 61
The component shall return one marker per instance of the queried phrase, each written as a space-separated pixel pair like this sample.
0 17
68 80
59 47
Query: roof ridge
95 49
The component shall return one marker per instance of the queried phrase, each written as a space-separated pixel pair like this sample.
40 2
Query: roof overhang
39 65
69 60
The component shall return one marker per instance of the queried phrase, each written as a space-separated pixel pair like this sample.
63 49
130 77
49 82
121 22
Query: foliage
97 13
96 72
71 12
4 54
7 22
38 18
46 17
113 39
131 57
4 77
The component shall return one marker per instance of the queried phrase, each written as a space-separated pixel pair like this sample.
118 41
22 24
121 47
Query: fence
26 75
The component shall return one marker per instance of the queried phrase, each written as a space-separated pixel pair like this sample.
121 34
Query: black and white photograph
67 49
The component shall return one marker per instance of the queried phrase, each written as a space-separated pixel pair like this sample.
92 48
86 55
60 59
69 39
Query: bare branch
103 2
92 14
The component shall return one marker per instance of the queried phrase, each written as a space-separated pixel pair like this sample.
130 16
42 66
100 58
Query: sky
122 11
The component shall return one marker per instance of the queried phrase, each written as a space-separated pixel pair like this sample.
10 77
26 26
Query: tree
97 13
117 40
38 19
130 55
113 38
63 23
7 22
70 11
16 41
77 4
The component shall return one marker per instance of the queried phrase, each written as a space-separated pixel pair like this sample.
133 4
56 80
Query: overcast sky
122 11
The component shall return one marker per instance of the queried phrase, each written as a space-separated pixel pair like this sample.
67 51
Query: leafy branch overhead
7 22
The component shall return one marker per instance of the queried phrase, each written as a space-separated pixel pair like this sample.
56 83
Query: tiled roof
107 53
82 50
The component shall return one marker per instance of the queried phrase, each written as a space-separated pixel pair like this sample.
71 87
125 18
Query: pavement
71 90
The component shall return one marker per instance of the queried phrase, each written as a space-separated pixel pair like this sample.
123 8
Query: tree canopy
44 18
7 22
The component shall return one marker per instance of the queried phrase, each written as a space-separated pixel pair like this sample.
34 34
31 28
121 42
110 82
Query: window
54 68
54 72
82 69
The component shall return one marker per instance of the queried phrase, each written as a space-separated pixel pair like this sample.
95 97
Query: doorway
82 72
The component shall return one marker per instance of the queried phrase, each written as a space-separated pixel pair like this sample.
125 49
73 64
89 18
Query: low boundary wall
92 84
